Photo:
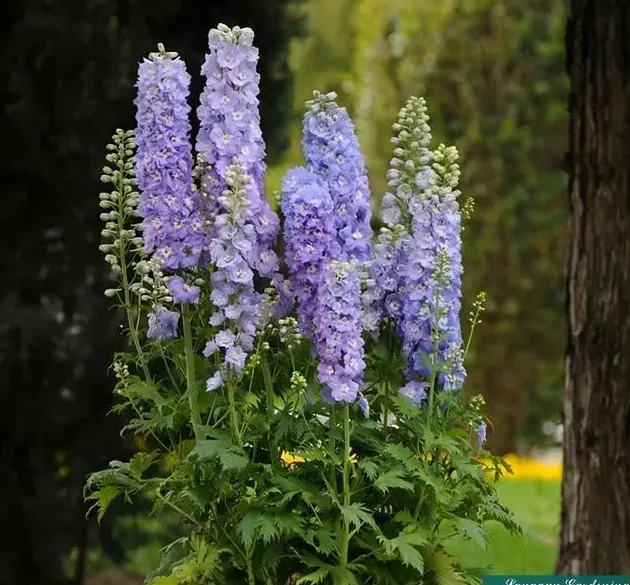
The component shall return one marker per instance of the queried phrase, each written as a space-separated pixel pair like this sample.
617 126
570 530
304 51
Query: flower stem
345 534
251 579
332 422
133 333
273 450
233 414
191 386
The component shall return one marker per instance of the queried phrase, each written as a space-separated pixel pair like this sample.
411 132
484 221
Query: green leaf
165 580
343 576
369 467
472 530
229 456
394 478
322 541
444 568
410 556
147 392
140 462
247 528
315 577
357 515
404 547
104 497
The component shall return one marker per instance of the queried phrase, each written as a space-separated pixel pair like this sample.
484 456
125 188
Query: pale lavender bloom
173 230
337 339
183 292
309 237
214 382
481 432
239 309
332 152
230 134
162 323
416 391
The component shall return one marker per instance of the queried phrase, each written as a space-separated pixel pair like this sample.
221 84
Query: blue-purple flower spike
309 237
173 230
230 133
415 277
338 340
332 151
240 310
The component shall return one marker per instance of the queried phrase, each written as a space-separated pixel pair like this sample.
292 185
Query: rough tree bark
596 486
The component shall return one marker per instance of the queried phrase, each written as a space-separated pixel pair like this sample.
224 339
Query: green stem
233 414
333 448
191 386
434 357
385 407
125 281
472 330
273 449
345 534
251 579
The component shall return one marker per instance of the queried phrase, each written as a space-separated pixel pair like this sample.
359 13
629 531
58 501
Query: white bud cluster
119 205
447 172
298 382
289 332
151 284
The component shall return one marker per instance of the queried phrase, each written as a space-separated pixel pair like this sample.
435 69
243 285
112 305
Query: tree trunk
596 485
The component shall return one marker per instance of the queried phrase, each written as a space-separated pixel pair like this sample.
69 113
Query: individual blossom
332 152
481 432
162 323
239 310
182 292
338 342
173 230
229 134
415 390
309 238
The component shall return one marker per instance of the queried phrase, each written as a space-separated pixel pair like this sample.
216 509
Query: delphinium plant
302 413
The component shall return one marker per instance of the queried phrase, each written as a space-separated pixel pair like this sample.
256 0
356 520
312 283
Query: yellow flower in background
525 468
290 459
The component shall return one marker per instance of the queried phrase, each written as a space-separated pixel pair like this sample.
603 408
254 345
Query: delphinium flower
429 327
409 172
230 133
173 229
337 340
416 272
448 228
239 309
309 238
332 151
481 433
162 323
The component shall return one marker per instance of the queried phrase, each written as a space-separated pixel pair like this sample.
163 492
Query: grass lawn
536 504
